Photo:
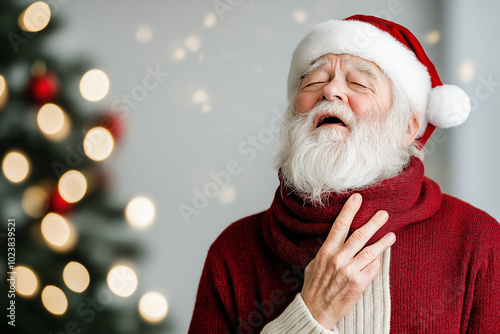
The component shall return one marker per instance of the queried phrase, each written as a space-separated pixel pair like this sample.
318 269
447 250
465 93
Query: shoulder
242 236
474 222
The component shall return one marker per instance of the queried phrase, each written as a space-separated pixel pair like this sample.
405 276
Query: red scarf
295 230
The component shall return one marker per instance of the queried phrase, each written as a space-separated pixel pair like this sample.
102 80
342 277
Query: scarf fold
295 230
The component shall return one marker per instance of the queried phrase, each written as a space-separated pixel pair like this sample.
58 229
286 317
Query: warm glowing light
200 96
26 281
140 212
94 85
192 43
15 166
144 34
153 307
4 93
50 119
209 20
35 201
76 276
227 195
35 17
300 15
432 37
55 229
122 280
179 54
466 71
206 108
72 186
54 300
98 143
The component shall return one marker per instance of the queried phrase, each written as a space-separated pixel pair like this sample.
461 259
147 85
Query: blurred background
165 118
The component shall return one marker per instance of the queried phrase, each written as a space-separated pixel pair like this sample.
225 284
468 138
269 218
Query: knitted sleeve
485 312
296 319
211 310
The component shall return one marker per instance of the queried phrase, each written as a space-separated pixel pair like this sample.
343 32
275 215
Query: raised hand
343 269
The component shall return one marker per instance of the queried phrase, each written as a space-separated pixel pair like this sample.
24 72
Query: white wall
171 146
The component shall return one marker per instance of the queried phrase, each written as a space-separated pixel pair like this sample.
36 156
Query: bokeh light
466 71
35 201
200 96
26 281
54 300
140 212
4 92
209 20
153 307
94 85
55 229
98 143
299 15
50 118
179 54
15 166
35 17
144 34
72 186
432 37
122 280
192 43
76 276
227 195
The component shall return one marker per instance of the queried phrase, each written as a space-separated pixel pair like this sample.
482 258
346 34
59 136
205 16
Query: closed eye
314 83
358 84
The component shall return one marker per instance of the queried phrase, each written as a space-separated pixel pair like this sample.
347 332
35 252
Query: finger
369 254
360 237
338 233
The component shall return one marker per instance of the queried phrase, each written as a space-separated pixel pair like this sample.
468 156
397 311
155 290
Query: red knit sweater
444 269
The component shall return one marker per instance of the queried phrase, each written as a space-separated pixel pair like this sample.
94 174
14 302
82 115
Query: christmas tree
67 250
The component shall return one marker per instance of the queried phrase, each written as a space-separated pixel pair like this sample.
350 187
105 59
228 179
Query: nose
335 90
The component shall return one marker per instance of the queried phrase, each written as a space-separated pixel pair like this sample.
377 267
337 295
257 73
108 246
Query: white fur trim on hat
397 61
448 106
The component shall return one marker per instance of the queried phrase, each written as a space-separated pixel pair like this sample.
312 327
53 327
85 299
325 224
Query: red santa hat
399 54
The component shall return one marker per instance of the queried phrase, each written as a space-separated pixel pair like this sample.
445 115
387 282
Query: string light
59 234
15 166
192 43
35 17
72 186
76 276
179 54
300 15
432 37
35 201
144 34
94 85
140 212
4 92
50 119
466 71
54 300
153 307
98 143
209 20
26 281
122 280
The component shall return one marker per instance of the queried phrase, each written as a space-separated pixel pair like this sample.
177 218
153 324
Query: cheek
305 102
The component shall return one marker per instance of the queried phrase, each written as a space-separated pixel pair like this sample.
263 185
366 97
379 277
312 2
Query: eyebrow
314 65
358 66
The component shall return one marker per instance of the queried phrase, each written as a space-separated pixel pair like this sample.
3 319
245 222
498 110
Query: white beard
316 162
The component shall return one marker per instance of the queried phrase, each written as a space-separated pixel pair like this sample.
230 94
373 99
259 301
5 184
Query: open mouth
327 120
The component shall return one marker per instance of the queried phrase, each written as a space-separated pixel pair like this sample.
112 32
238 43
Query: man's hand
342 270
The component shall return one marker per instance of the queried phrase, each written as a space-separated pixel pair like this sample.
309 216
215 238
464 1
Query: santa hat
399 54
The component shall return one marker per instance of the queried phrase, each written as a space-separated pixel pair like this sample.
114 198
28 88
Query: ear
413 127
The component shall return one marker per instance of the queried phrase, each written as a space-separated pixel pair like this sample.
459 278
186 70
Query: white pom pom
448 106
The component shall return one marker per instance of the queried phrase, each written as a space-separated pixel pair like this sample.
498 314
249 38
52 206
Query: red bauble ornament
43 88
58 204
114 124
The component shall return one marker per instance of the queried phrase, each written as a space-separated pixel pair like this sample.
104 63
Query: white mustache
334 108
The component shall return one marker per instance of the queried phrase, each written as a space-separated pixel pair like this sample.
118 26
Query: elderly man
357 239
